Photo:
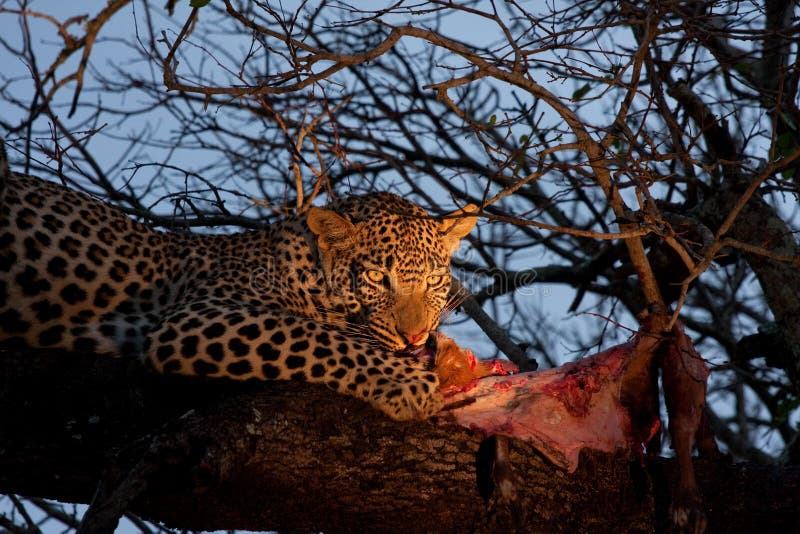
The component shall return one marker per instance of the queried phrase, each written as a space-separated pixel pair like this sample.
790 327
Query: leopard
341 294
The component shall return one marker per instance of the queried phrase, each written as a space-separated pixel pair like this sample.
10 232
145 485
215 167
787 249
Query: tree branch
290 456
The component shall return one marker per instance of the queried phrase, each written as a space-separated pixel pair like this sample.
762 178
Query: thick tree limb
759 224
756 223
286 456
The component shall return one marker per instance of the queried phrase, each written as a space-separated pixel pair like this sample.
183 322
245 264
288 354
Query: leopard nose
415 338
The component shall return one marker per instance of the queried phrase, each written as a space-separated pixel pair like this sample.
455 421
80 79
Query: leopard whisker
453 302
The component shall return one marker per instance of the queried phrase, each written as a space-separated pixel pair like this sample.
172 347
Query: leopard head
387 262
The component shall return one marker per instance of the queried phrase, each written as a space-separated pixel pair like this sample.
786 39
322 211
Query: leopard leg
223 339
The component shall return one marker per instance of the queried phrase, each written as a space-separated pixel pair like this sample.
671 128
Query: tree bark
288 456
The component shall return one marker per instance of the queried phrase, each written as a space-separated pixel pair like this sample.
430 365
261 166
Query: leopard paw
408 398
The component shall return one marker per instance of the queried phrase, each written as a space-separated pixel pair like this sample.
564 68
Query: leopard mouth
425 353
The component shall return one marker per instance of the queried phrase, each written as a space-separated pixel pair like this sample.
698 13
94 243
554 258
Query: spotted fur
331 296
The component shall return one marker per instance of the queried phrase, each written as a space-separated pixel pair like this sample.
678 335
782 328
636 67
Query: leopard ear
332 230
453 229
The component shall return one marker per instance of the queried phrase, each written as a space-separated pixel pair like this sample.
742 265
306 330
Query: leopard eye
374 276
435 280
